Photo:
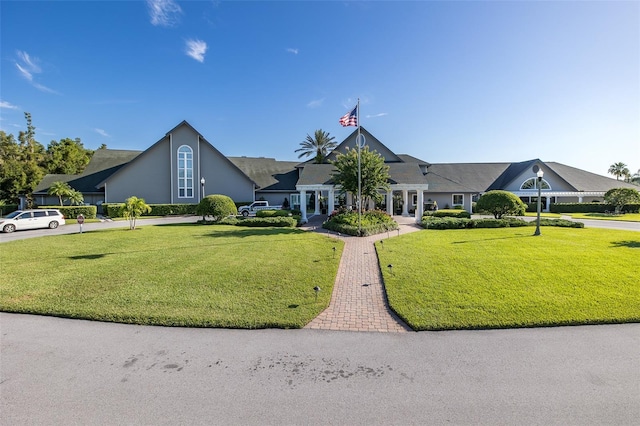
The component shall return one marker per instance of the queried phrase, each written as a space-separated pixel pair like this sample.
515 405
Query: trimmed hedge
72 212
509 222
8 208
281 222
365 231
449 213
273 213
116 209
592 208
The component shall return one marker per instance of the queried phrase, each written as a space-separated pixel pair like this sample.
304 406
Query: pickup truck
255 206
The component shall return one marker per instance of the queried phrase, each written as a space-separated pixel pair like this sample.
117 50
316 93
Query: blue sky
442 81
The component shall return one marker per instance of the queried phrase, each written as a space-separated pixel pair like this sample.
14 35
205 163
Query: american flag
350 118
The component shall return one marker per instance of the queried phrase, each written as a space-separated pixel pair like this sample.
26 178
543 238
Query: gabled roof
463 177
370 140
103 164
268 173
510 173
411 159
583 180
183 123
317 174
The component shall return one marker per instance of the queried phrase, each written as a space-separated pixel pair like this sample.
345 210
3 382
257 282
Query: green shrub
449 213
500 203
273 213
113 209
562 223
171 209
371 222
72 212
217 206
280 222
488 223
7 208
445 223
580 208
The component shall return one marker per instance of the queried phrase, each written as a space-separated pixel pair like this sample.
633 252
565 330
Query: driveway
62 371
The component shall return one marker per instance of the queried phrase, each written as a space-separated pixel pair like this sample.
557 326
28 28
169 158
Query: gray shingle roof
317 174
103 164
405 173
268 173
464 177
582 180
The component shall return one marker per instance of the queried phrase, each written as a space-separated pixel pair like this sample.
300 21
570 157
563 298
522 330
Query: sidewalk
359 301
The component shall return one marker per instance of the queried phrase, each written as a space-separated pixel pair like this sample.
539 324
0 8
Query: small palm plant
75 197
134 207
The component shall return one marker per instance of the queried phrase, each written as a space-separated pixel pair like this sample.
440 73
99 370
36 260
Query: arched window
532 183
185 172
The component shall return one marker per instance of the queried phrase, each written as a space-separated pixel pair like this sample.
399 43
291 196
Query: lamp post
540 173
202 184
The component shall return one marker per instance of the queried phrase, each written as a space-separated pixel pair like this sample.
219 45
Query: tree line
25 161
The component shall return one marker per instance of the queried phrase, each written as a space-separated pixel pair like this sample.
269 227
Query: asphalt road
62 371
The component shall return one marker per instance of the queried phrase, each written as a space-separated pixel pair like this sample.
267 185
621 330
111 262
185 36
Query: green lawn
494 278
185 275
629 217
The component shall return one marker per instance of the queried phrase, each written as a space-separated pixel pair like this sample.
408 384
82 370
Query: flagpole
359 171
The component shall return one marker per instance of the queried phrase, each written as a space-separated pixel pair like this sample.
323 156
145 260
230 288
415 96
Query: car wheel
245 213
9 228
53 225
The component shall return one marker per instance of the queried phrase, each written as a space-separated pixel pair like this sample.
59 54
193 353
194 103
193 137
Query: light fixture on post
202 184
539 173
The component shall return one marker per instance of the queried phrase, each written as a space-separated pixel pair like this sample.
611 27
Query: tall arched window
185 172
532 183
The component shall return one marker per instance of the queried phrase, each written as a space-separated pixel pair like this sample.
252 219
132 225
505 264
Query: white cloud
7 105
315 103
382 114
30 63
102 133
164 13
196 49
28 66
292 50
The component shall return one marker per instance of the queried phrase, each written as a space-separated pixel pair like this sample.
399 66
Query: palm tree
133 209
636 177
59 189
319 145
618 170
75 197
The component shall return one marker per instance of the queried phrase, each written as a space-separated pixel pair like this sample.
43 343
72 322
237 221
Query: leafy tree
217 206
374 174
68 157
619 170
60 190
134 207
319 145
12 179
619 197
500 203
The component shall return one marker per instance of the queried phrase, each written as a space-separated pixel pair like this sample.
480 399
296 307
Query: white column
405 202
332 205
579 199
390 203
420 206
303 206
316 210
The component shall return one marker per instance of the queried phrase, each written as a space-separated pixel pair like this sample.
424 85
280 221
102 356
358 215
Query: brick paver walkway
359 301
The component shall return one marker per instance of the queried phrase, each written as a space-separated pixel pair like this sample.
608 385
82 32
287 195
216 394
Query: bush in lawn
562 223
72 212
371 222
217 206
273 213
500 203
445 223
448 213
618 197
279 222
488 223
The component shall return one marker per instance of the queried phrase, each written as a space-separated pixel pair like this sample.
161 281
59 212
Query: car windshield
14 214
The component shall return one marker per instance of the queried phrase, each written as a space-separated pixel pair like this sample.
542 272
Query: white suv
31 219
